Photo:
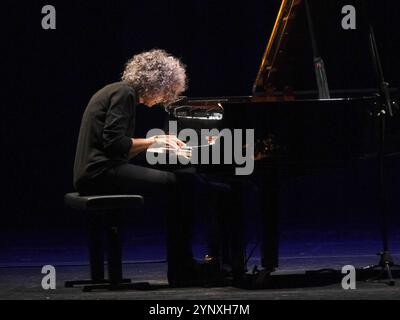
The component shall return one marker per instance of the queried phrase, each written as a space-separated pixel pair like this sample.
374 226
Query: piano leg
270 237
237 241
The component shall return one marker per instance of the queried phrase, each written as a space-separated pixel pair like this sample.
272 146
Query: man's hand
170 141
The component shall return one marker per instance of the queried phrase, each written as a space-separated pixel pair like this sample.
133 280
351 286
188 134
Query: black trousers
172 190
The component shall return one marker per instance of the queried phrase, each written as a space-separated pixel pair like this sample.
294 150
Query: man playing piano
106 145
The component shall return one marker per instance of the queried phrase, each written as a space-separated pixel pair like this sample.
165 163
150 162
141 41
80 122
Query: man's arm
115 142
139 145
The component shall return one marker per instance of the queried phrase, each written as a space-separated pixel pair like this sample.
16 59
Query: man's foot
187 274
195 274
214 274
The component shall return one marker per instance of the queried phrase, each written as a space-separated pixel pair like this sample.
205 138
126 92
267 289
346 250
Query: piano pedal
256 280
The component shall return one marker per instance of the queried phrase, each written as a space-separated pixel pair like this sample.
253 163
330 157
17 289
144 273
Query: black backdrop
48 76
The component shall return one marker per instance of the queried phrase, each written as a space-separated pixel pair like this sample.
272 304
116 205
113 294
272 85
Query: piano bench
104 215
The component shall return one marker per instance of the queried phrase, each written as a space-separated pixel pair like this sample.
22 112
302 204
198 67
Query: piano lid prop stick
319 66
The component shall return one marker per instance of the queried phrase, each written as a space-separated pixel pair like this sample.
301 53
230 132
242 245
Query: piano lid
272 57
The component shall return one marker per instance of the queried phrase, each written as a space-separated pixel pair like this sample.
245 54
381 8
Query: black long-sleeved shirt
106 132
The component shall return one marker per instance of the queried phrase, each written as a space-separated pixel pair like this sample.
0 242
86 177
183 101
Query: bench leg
114 257
114 250
96 247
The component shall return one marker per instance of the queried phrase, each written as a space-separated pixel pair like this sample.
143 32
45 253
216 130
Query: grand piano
297 132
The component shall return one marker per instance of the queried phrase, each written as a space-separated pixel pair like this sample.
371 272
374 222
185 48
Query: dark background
48 76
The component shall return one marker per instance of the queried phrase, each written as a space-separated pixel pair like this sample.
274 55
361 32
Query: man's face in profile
151 101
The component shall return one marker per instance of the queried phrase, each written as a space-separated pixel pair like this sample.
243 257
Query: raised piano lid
264 83
286 69
264 88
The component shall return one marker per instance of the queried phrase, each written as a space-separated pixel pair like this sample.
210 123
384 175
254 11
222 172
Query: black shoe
213 274
195 274
187 274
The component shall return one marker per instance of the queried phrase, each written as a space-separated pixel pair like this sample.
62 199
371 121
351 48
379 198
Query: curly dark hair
156 73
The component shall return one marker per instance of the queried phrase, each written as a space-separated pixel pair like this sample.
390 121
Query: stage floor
21 262
25 283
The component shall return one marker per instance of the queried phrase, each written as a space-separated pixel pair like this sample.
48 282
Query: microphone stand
384 110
